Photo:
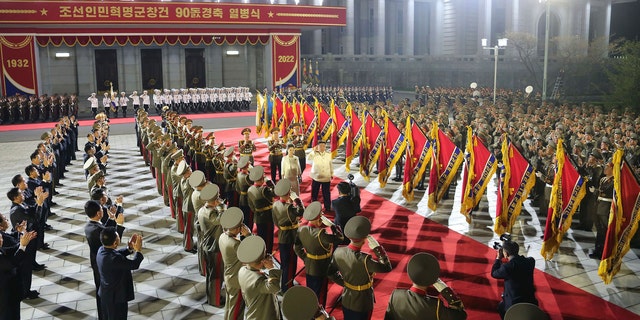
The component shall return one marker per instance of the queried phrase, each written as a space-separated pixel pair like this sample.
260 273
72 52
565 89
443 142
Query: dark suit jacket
92 231
116 282
412 305
10 294
21 212
518 280
345 209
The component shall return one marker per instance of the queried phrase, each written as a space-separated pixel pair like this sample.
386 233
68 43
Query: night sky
625 21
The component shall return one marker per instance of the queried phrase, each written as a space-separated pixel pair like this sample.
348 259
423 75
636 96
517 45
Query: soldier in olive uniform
260 196
230 177
234 232
299 141
242 187
208 245
315 247
197 181
165 169
301 303
286 215
414 303
187 206
603 210
356 269
246 147
275 154
175 196
258 288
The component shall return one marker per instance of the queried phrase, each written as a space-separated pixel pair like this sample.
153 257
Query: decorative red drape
135 40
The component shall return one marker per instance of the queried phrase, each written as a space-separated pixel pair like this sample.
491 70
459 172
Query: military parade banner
339 134
479 168
567 191
285 51
445 161
623 217
515 181
18 65
371 145
392 150
153 13
354 135
418 154
310 124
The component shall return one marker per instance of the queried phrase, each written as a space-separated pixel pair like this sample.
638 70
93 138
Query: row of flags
382 145
308 74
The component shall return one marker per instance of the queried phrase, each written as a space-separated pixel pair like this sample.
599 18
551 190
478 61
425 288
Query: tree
526 44
624 75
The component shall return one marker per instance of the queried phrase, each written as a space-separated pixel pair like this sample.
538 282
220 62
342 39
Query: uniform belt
275 153
246 154
291 227
219 172
264 209
231 180
605 199
319 257
244 193
358 288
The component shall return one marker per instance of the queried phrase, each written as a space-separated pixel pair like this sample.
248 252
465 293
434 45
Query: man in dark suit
517 273
116 282
344 206
20 212
92 230
12 253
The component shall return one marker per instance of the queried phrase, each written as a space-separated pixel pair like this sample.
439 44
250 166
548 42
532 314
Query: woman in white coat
291 169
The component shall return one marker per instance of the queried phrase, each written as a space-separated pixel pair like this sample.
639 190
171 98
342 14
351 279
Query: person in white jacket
321 173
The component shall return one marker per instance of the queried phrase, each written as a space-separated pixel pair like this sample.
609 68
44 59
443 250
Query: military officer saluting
414 303
260 196
356 269
275 154
242 187
299 141
259 280
234 232
246 145
286 215
230 176
210 231
315 247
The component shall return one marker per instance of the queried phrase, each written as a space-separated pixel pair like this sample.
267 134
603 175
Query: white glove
592 189
293 196
373 243
538 174
440 285
326 221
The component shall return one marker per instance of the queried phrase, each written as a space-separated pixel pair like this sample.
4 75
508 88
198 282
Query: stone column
409 14
348 41
316 40
380 40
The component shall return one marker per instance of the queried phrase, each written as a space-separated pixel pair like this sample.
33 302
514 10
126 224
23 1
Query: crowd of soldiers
324 94
31 199
23 109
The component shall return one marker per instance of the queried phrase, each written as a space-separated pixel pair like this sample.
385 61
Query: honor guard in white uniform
177 100
135 100
157 100
106 104
259 280
248 97
231 97
195 99
222 97
94 104
234 232
215 99
123 101
186 101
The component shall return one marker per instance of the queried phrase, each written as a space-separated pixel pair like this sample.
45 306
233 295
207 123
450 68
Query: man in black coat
116 282
344 206
12 253
20 212
517 273
92 231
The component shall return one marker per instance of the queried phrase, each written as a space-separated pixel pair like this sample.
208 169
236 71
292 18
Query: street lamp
502 43
546 50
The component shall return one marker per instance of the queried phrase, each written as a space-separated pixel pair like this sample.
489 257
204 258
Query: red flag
309 122
445 161
418 154
354 135
566 193
623 218
393 148
480 165
339 134
278 117
371 145
289 117
325 124
516 180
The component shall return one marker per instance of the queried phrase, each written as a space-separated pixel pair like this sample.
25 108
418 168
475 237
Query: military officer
146 100
260 197
106 104
94 104
356 269
187 206
258 287
301 303
208 245
315 247
299 141
198 181
230 176
413 304
242 187
173 180
287 212
234 232
275 154
123 100
135 100
246 147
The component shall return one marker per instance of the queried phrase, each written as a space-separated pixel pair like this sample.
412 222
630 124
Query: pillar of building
607 21
409 14
380 38
348 40
316 42
435 38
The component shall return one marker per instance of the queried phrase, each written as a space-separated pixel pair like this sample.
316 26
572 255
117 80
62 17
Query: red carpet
465 263
49 125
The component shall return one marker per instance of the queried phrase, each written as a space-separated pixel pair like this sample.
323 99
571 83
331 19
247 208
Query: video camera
355 193
503 237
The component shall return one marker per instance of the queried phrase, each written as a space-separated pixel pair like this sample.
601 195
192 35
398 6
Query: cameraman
345 206
517 272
